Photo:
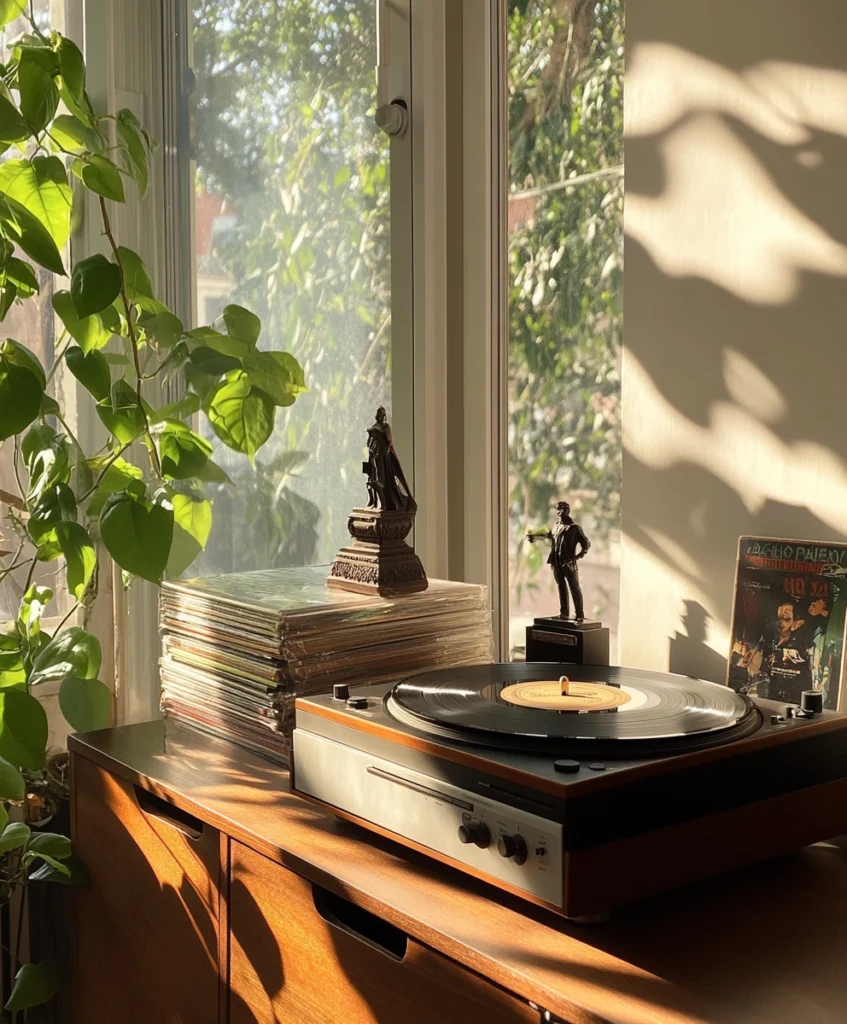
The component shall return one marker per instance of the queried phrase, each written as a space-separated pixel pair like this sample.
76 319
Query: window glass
291 219
565 81
32 324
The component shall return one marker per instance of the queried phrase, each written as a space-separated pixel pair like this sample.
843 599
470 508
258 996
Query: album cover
788 619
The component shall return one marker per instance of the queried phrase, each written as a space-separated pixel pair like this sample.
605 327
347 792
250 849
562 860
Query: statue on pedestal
379 561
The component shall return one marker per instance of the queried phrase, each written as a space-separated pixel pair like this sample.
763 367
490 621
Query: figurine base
379 561
567 641
557 622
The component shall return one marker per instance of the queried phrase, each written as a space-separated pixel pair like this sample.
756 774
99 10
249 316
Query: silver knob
393 119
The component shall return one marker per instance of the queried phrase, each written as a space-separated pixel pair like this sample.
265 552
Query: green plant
141 494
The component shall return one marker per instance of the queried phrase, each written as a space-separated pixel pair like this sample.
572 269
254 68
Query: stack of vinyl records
237 649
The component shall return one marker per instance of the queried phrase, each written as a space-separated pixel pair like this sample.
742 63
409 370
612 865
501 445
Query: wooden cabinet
300 954
147 937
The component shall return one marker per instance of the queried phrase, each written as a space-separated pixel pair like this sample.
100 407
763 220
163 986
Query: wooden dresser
217 896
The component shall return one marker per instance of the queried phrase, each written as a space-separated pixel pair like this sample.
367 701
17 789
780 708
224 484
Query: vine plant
141 494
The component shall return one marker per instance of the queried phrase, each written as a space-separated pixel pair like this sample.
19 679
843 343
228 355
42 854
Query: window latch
392 116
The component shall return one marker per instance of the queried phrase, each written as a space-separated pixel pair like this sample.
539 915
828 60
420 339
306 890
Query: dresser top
766 945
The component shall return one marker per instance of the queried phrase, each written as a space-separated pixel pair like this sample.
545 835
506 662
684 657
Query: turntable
577 793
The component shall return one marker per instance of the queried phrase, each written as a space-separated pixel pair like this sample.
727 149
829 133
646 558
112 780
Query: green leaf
88 332
213 474
192 525
14 835
11 9
22 276
46 457
30 234
73 652
17 355
77 873
80 556
184 407
34 984
51 843
72 69
212 363
269 376
95 284
23 729
12 785
13 128
55 503
39 94
136 278
33 603
101 176
117 477
165 327
182 451
242 324
41 186
92 371
241 417
20 398
71 134
133 150
53 862
8 294
137 534
85 703
121 414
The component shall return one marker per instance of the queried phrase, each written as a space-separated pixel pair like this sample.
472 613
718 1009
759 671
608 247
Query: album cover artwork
788 619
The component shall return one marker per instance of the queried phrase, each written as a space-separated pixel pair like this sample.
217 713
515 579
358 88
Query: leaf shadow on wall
736 306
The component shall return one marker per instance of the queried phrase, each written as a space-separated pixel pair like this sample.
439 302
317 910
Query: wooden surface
290 963
153 900
766 945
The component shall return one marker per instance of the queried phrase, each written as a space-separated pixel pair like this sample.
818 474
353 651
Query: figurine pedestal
379 561
567 641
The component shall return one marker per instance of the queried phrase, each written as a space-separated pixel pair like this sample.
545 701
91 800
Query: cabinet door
147 949
301 955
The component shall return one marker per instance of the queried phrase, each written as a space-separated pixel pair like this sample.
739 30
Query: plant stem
57 358
103 472
58 628
107 227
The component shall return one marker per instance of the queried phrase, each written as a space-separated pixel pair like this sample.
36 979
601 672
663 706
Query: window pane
31 323
292 220
565 264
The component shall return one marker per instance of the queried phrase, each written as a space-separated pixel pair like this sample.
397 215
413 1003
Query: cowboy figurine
569 544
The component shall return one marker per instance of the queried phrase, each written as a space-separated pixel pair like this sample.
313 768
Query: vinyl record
606 711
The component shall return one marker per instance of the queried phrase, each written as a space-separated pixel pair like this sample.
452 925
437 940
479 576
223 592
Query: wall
735 362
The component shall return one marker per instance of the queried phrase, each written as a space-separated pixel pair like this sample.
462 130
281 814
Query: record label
581 696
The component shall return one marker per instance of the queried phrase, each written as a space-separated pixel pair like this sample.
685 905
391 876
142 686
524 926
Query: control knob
473 831
513 848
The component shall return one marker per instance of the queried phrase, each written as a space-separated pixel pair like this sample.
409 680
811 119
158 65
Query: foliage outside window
566 265
292 219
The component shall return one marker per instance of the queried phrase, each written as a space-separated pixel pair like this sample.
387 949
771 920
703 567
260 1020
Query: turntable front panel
429 812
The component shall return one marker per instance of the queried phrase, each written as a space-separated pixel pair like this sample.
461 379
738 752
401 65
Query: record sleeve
788 621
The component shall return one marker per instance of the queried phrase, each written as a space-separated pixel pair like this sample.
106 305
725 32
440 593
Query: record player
577 793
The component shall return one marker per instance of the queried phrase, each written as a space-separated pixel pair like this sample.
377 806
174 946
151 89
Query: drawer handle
155 807
360 923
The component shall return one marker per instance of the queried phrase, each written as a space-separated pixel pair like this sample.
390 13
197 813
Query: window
565 240
292 218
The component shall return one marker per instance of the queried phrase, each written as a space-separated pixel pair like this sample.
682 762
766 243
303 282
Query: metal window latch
545 1017
392 116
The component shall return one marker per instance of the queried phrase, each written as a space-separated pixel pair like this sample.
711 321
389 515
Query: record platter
577 793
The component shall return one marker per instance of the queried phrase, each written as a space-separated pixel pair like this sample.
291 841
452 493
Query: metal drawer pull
155 807
360 923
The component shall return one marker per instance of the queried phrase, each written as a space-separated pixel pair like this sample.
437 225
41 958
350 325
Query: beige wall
735 369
